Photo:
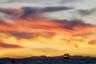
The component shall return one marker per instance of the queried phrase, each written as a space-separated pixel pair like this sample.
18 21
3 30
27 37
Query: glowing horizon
47 37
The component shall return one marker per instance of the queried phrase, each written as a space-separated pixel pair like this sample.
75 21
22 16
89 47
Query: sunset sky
42 27
88 6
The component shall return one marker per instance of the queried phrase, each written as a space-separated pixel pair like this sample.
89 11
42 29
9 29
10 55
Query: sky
71 36
87 6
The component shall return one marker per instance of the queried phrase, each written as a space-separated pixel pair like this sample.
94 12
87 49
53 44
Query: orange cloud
38 37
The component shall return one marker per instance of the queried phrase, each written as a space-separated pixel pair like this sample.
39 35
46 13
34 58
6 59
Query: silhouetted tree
66 56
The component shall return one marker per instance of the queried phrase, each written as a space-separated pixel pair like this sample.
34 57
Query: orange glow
46 37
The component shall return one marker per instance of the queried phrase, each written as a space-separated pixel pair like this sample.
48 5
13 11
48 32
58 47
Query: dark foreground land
50 60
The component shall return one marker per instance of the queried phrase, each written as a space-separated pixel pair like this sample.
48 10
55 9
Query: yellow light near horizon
46 38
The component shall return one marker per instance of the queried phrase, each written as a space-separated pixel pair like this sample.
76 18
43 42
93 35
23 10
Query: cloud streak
84 10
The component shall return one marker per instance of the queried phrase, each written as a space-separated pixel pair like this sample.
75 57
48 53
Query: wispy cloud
84 10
